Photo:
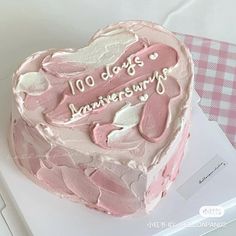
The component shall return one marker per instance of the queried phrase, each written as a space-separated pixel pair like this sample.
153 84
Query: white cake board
45 214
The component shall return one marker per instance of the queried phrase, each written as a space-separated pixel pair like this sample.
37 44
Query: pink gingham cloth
215 80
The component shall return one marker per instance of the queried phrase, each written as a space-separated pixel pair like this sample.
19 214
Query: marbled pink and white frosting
105 124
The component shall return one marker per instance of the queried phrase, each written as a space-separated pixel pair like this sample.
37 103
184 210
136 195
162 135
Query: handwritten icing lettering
114 97
71 87
89 81
129 66
139 62
107 74
116 69
73 109
127 92
160 86
80 84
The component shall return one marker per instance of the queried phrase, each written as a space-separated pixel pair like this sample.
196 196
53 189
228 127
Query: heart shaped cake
106 124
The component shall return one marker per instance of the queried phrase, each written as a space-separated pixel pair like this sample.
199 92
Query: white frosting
33 83
117 134
152 204
128 115
126 118
102 51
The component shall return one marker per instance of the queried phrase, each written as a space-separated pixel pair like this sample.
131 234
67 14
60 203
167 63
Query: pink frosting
99 133
56 66
117 83
102 189
79 160
156 110
168 174
60 157
153 119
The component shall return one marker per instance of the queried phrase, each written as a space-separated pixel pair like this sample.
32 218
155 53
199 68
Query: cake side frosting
114 114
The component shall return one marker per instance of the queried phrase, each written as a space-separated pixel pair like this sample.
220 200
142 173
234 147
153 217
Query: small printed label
211 211
202 176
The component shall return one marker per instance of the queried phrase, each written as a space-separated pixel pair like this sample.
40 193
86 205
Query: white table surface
27 26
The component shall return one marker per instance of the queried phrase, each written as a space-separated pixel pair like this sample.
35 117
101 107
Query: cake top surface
123 97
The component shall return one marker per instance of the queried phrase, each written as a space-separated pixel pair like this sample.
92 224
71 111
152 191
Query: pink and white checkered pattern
215 80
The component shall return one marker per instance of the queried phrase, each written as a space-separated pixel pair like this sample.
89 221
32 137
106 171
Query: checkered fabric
215 80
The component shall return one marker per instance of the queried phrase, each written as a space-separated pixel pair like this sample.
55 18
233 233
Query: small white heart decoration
153 56
143 98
